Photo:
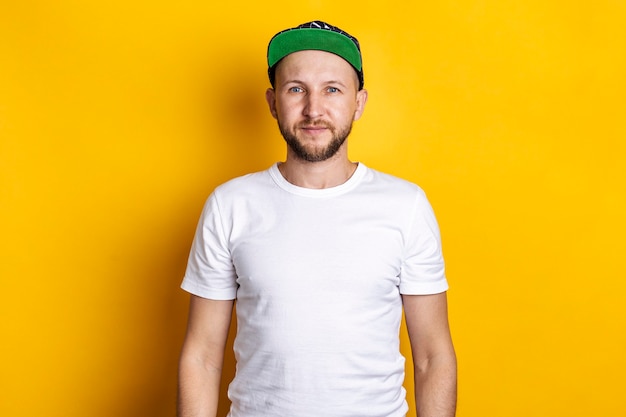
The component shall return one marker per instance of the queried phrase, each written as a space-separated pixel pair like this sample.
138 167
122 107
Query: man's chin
314 148
315 153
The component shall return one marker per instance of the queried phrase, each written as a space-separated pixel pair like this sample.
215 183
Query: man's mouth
315 127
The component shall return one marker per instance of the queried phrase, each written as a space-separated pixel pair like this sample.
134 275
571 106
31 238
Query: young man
321 254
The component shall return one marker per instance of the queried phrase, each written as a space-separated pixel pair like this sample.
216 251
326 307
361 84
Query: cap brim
291 41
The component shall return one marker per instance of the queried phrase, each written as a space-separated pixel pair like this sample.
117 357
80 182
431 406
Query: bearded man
321 255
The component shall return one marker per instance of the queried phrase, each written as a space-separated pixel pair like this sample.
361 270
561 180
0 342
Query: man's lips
316 128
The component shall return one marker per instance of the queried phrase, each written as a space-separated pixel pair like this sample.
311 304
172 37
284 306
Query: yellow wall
117 119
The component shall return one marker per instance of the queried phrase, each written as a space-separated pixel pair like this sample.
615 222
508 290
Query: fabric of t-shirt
317 275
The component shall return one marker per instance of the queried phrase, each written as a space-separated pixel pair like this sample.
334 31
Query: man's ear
270 97
361 99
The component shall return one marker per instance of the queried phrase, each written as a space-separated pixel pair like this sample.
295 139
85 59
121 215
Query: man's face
315 101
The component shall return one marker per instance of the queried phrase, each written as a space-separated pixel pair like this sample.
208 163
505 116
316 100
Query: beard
315 153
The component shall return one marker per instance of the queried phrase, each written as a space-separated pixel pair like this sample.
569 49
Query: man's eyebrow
290 82
335 82
296 81
325 83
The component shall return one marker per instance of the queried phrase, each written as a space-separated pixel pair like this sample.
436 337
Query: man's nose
314 106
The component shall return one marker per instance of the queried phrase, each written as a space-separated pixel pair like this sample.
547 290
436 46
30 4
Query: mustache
314 123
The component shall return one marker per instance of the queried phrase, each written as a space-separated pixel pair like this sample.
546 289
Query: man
321 254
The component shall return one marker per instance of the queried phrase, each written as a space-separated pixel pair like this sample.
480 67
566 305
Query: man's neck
324 174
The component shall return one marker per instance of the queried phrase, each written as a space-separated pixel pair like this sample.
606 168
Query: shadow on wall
241 130
242 136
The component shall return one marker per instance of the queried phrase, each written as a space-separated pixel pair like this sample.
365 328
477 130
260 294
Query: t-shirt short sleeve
423 269
210 272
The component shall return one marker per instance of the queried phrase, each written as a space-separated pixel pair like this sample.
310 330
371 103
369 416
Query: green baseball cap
315 35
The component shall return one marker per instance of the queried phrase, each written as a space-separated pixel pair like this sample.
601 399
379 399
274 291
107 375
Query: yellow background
117 118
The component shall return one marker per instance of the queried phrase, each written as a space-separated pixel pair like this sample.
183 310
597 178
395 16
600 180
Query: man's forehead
313 64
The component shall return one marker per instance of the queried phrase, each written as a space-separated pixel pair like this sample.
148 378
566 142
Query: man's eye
333 90
295 90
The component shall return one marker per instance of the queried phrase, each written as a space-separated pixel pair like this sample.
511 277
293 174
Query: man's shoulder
243 184
392 183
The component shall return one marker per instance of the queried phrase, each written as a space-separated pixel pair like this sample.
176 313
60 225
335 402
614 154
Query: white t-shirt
317 275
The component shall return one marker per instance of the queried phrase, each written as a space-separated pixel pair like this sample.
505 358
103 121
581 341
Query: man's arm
202 355
434 359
